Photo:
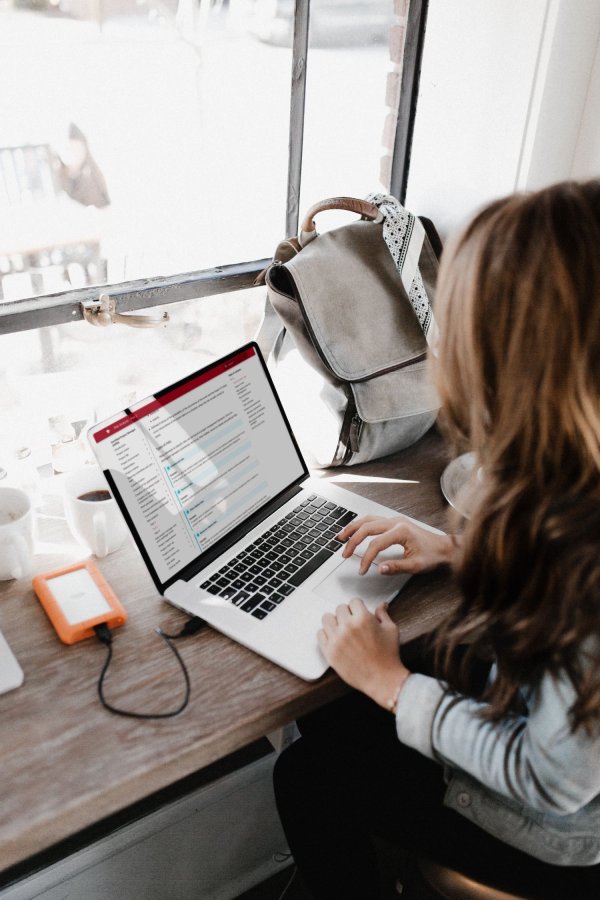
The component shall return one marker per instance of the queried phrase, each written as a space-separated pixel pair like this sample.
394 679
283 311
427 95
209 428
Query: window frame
147 293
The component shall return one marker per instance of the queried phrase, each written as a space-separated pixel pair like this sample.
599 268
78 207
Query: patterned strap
404 235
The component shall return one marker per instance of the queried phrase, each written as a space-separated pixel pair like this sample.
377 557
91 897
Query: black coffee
95 496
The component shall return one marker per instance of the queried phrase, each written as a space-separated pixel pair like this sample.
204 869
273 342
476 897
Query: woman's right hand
423 550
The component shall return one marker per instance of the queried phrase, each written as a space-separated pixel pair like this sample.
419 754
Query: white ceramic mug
16 533
91 511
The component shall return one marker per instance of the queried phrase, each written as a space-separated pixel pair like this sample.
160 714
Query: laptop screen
198 460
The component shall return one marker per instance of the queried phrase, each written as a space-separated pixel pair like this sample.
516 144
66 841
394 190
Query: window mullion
297 102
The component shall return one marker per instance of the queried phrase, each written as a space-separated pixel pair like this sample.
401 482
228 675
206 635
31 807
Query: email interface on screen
198 459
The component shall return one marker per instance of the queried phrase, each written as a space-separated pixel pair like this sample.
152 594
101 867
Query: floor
285 885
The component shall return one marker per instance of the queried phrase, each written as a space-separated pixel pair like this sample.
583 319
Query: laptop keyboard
259 578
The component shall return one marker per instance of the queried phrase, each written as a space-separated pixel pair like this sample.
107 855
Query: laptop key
314 548
291 568
239 598
212 588
228 593
277 598
267 605
308 568
346 519
334 545
259 613
286 589
253 602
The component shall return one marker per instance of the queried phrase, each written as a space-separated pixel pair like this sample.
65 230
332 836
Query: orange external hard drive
76 599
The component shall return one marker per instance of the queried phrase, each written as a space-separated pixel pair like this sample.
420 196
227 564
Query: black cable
104 635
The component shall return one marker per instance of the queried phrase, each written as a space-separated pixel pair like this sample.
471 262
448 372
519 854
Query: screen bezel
187 572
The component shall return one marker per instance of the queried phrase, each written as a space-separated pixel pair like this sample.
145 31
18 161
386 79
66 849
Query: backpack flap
354 303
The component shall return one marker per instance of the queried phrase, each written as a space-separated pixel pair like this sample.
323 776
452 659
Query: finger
377 526
352 539
349 529
396 538
328 621
343 614
357 607
322 638
405 566
382 614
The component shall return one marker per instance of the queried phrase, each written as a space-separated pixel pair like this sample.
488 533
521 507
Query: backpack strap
271 332
404 235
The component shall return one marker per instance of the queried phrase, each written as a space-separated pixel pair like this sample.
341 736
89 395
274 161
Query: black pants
349 778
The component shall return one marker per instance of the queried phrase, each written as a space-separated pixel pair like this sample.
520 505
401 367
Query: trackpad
344 583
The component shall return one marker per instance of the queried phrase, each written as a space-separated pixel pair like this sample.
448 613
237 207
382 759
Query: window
162 148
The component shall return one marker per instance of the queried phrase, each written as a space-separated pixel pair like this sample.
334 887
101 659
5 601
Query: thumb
382 615
393 567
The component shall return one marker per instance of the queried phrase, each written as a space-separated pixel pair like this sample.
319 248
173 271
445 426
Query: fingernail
384 569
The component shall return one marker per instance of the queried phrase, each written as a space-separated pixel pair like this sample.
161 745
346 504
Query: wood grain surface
67 762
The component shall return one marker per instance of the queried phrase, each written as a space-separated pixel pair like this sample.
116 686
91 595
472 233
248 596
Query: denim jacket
527 780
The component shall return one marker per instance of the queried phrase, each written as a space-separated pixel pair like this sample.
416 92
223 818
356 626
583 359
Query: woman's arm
535 759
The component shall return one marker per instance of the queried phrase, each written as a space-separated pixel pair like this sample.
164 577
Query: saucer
454 481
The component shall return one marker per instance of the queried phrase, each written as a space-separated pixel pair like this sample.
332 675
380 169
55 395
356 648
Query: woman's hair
518 372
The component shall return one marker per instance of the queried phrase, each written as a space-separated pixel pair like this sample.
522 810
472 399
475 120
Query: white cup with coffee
91 511
16 533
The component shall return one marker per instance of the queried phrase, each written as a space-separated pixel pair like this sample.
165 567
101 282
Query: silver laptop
232 528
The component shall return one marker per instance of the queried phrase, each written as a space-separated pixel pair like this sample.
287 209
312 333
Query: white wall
509 99
587 153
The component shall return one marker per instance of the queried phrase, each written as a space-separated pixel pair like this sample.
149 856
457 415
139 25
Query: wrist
386 692
448 550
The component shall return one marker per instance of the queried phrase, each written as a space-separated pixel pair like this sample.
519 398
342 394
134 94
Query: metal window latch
103 312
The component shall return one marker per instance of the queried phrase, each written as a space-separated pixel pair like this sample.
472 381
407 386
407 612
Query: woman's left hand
364 650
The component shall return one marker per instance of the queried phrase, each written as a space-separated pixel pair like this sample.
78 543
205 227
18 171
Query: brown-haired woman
498 777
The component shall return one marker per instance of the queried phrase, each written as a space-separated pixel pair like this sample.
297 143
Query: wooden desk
66 762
